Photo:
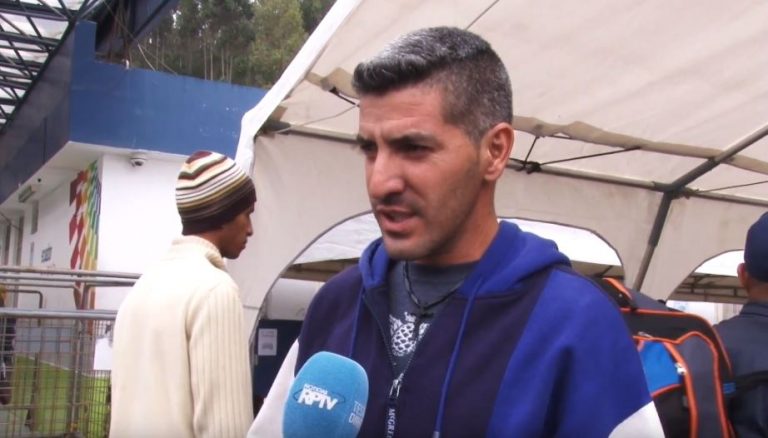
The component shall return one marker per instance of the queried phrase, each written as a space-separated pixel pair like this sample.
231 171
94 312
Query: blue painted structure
78 98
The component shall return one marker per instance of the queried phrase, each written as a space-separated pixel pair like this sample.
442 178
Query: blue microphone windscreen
327 398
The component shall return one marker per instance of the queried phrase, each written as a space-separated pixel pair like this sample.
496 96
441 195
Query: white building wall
4 241
52 236
8 237
17 240
138 217
9 240
138 220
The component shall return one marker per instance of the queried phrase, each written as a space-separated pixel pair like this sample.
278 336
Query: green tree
226 34
312 11
279 34
188 26
153 52
240 41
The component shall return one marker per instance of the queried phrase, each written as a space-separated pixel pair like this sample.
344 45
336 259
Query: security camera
138 159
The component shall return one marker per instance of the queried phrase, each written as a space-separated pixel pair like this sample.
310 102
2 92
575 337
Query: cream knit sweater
180 356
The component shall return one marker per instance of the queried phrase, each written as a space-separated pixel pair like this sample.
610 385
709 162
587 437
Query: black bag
685 364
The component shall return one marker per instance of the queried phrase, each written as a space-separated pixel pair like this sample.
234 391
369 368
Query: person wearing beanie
180 352
746 335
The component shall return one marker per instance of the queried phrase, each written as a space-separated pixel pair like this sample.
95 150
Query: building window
33 219
19 242
5 238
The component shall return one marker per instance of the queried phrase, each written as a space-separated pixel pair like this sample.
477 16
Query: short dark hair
756 250
476 87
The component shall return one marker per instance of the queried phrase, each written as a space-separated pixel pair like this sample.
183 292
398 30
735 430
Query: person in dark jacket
746 335
465 326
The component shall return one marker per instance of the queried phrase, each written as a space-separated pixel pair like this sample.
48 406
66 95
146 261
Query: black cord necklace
424 308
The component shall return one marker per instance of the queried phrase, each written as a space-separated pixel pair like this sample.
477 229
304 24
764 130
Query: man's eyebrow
405 139
362 140
413 138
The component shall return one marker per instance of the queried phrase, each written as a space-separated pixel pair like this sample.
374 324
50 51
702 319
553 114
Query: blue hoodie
526 348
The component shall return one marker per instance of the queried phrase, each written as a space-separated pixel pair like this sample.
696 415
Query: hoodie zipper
394 393
394 389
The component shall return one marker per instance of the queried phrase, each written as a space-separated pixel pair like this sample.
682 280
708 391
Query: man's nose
385 175
249 228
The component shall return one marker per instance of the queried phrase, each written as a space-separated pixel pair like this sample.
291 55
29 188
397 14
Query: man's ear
498 146
741 272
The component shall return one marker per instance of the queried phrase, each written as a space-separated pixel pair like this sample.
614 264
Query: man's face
234 235
423 175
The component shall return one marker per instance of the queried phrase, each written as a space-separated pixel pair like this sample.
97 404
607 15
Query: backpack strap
616 290
741 385
745 383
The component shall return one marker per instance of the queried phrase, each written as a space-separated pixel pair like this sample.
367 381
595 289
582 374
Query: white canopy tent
644 122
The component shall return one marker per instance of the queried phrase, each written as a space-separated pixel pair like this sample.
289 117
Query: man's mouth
395 220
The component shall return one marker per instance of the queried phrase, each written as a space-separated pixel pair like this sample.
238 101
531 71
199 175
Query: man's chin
233 255
401 249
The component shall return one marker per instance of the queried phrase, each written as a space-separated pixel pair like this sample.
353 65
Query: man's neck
758 294
754 298
468 249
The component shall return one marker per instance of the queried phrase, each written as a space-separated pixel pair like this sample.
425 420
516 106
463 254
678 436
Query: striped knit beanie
211 191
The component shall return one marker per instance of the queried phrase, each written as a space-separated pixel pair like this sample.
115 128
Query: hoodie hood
512 256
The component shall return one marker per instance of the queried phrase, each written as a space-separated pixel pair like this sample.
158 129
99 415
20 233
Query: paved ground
12 423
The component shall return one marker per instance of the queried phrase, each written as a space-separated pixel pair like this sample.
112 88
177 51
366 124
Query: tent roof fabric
647 120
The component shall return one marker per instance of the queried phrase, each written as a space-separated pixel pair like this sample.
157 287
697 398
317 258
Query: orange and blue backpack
686 366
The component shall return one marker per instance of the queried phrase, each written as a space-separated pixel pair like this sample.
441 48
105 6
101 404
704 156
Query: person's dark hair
476 88
756 250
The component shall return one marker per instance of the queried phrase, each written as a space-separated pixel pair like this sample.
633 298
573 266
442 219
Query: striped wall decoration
85 195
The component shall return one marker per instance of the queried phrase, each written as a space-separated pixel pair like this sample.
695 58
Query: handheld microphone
327 398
